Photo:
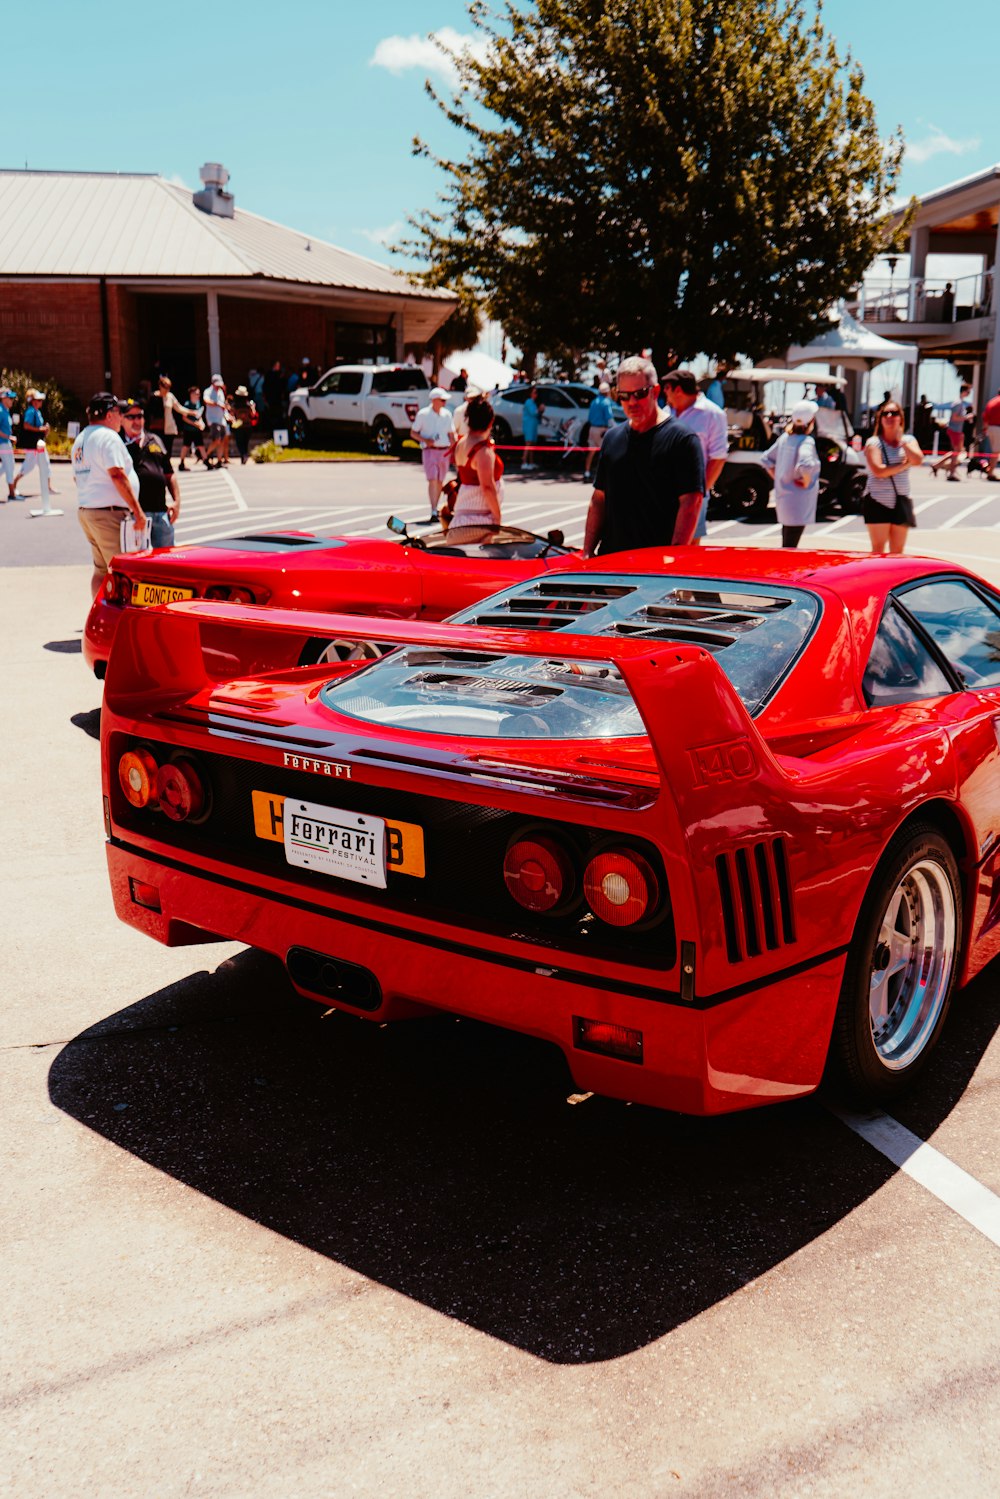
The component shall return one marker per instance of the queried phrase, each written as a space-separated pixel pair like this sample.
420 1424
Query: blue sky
312 105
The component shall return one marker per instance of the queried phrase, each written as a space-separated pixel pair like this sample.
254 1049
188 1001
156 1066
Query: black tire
298 429
385 439
887 1027
749 498
502 435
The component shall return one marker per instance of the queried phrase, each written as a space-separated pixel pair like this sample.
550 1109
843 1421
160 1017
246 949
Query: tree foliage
703 174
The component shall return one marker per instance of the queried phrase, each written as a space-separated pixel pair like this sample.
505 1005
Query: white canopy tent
850 344
484 373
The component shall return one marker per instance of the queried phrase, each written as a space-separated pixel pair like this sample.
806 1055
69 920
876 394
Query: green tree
700 174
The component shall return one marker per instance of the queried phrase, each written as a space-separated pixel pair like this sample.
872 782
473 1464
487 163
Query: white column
919 244
214 343
992 371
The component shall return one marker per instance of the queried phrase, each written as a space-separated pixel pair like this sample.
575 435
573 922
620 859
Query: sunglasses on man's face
635 395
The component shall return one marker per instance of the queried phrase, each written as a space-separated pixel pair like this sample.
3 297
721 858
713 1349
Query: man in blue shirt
600 417
7 398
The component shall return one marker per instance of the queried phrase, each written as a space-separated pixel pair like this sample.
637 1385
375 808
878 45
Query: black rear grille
464 847
755 892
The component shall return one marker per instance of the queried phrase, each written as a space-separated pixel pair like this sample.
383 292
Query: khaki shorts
993 438
103 529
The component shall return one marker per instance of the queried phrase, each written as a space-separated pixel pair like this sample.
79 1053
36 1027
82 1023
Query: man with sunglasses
158 493
650 474
107 489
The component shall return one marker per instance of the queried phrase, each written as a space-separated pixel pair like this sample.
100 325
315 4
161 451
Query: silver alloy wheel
912 963
348 650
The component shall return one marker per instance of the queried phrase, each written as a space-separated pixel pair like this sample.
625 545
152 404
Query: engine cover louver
755 892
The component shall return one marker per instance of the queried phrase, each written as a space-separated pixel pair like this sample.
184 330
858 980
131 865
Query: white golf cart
744 486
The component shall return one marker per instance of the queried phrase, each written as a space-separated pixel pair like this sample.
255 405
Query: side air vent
756 898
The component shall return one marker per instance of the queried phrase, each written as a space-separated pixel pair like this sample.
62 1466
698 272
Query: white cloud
385 237
398 54
937 143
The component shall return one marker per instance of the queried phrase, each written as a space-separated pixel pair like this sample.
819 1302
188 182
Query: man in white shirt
707 421
216 422
107 488
434 429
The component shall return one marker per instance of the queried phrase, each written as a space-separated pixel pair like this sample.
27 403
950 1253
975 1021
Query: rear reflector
607 1039
144 895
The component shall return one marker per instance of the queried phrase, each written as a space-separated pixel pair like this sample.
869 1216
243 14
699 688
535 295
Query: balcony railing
924 299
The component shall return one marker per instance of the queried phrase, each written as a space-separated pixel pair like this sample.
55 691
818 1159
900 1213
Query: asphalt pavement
248 1251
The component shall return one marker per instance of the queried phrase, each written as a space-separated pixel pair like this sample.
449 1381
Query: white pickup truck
378 400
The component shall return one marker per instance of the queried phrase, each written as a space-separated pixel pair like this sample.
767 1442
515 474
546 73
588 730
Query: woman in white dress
794 464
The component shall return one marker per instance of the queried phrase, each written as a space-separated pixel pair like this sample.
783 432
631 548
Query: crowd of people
654 472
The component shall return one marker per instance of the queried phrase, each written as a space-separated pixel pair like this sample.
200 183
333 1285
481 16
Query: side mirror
395 524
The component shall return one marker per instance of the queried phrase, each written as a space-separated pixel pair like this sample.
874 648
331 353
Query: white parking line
969 509
942 1178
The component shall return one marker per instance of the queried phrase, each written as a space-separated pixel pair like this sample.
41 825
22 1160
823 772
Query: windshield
755 633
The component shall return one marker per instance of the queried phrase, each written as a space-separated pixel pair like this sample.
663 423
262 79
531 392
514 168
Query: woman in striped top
890 454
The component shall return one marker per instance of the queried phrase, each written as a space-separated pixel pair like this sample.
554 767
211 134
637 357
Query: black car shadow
64 647
443 1159
89 722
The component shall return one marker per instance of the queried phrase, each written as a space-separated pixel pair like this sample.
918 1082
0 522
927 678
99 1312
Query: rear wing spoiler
692 713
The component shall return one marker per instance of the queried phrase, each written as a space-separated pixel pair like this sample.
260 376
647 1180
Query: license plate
147 594
401 844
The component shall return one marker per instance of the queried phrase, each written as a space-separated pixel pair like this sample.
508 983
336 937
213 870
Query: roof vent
213 197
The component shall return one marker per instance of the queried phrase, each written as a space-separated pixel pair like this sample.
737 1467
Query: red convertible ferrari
712 822
426 576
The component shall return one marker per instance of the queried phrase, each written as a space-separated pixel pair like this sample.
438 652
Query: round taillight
217 591
180 789
621 887
137 776
240 596
538 873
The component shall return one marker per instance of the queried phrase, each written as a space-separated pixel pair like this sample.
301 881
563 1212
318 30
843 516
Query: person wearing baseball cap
34 429
107 487
794 464
599 418
216 423
159 496
434 430
7 399
708 421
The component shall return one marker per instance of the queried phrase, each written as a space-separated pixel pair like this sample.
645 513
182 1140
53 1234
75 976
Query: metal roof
128 225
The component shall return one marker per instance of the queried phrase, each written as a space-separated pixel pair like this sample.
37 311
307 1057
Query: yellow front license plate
404 841
146 594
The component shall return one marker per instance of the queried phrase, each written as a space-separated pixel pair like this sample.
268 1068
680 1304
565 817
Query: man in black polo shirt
650 475
159 496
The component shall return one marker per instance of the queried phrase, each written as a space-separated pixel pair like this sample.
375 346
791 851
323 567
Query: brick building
106 277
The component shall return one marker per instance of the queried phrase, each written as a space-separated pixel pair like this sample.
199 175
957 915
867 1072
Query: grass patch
269 452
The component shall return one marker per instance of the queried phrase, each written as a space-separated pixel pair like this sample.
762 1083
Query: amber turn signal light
137 775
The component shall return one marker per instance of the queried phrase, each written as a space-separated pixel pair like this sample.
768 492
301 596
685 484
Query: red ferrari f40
713 822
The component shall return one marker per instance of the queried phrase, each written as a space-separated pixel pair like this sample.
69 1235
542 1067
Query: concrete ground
249 1251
